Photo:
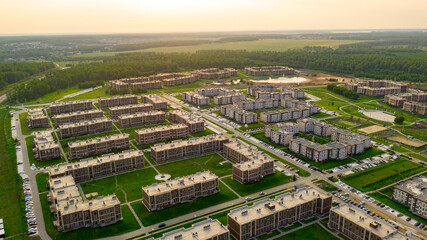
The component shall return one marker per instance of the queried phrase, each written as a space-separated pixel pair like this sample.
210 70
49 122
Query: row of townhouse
281 133
70 106
121 85
377 87
285 114
163 195
78 116
177 149
239 115
269 70
115 112
72 212
36 118
158 103
100 145
232 97
215 73
194 123
161 133
141 119
209 229
264 216
106 102
195 98
252 165
258 104
102 166
97 125
413 194
45 146
315 126
355 223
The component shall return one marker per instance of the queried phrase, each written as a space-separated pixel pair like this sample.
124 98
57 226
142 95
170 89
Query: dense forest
343 91
16 71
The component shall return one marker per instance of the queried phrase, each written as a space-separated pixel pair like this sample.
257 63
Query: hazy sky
135 16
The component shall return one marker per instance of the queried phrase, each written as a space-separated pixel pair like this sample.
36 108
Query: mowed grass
267 182
204 133
42 184
190 166
382 175
126 186
97 93
311 232
128 224
149 218
325 186
11 198
58 94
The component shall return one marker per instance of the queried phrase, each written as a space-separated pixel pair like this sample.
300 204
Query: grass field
382 175
270 235
58 94
293 226
204 133
127 186
268 182
326 186
311 232
192 165
29 141
12 201
97 93
320 115
42 184
131 131
149 218
128 224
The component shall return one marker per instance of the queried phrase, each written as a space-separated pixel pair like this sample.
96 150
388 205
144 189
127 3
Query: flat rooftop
189 142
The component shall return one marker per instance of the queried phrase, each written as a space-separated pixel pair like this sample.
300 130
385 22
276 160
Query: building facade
269 70
78 116
207 230
157 102
238 115
141 119
413 194
45 146
107 102
97 125
100 145
161 133
194 123
70 106
36 118
195 98
115 112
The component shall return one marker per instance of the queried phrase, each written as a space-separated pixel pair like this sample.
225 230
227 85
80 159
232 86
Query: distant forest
16 71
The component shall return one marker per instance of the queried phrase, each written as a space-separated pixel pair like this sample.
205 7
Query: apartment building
387 83
157 102
70 106
310 125
179 79
72 212
161 76
397 100
252 90
295 92
107 102
348 137
377 87
215 73
232 97
102 166
133 83
177 149
238 115
273 95
36 118
318 152
97 125
45 146
115 112
119 85
195 98
146 85
194 123
179 190
281 133
100 145
78 116
161 133
413 194
418 95
370 91
294 103
210 229
355 223
266 215
212 92
141 119
269 70
415 107
258 104
284 114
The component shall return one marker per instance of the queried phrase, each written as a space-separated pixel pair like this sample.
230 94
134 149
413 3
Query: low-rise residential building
284 114
252 90
179 190
100 145
161 133
269 70
195 98
207 230
418 95
85 127
133 83
215 73
355 223
238 115
72 212
212 92
281 133
258 104
107 102
295 92
413 194
348 137
45 146
415 107
273 95
231 98
177 149
141 119
146 85
318 152
70 106
36 118
77 116
180 78
194 123
397 100
294 103
310 125
267 215
377 87
157 102
115 112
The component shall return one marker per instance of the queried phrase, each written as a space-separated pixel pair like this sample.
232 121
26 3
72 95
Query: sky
154 16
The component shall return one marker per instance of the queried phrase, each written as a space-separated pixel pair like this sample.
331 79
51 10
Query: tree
399 120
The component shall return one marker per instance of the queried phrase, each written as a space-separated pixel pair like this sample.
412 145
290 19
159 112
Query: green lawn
149 218
42 184
131 131
12 200
326 186
127 186
320 115
311 232
29 141
268 182
371 152
24 125
228 131
251 126
309 220
382 175
270 235
128 224
192 165
222 217
85 137
260 136
97 93
53 96
204 133
293 226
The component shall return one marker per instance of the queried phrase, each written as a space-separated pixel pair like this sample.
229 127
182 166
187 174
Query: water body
282 80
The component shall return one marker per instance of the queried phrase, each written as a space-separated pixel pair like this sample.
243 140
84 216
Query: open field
273 233
372 129
410 142
149 218
42 184
320 115
325 186
51 97
311 232
128 224
97 93
382 175
267 182
417 131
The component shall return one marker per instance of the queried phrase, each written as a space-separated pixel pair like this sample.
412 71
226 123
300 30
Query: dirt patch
407 141
372 129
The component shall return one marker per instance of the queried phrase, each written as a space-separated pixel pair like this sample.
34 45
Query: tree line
343 91
16 71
